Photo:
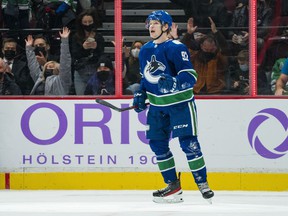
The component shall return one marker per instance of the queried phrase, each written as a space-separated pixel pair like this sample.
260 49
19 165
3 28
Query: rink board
79 144
141 181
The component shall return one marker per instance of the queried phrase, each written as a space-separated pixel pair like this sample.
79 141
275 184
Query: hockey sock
167 167
165 159
195 158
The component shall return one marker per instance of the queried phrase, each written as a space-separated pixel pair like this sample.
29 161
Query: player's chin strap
160 35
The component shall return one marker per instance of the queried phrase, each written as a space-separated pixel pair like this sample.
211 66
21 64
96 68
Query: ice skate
206 192
171 194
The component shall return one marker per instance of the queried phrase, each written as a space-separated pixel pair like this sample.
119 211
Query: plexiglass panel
229 59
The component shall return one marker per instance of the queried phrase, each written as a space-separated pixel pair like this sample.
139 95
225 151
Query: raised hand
174 31
65 32
29 40
114 43
213 26
190 26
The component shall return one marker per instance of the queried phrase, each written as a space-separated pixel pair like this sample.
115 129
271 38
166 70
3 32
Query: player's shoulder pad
176 42
177 45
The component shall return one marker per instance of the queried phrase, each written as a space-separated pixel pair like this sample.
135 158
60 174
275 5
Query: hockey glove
167 83
139 101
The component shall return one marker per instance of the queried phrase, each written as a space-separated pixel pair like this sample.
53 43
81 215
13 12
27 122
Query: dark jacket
211 73
22 76
9 86
133 70
86 56
96 87
240 20
264 19
215 10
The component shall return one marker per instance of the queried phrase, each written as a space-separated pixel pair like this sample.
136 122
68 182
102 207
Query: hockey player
167 81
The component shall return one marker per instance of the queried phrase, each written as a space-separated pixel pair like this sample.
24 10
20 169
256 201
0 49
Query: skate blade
174 198
209 201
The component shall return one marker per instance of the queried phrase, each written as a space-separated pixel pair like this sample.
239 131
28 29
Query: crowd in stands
216 34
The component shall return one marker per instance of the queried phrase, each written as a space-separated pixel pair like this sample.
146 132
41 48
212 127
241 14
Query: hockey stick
107 104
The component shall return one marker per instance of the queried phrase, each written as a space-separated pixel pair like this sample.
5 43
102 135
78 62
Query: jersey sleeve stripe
192 72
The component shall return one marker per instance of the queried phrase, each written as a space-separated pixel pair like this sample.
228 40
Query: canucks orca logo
151 67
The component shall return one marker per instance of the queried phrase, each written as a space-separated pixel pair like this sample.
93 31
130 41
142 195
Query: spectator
42 50
54 14
133 77
87 4
201 10
238 31
16 15
264 19
8 85
284 8
125 82
18 66
281 83
192 36
210 62
54 78
102 82
276 72
87 47
241 76
240 22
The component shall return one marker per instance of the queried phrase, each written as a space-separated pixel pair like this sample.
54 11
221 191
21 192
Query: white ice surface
138 203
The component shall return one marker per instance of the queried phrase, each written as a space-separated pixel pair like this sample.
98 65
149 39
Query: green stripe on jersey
166 164
196 164
169 99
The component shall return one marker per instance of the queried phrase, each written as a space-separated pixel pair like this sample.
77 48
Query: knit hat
105 61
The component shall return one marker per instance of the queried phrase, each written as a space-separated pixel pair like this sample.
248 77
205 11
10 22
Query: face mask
208 55
244 67
88 28
103 75
48 72
135 52
9 54
37 51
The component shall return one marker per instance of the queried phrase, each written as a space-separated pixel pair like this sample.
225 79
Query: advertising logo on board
80 122
269 122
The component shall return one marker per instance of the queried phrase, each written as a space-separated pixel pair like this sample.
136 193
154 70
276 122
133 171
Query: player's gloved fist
139 101
167 83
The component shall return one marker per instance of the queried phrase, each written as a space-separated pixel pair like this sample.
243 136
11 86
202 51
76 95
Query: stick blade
107 104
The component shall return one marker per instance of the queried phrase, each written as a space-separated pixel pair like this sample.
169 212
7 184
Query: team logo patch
150 69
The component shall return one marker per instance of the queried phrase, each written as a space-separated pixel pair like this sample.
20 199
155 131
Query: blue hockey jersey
170 57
